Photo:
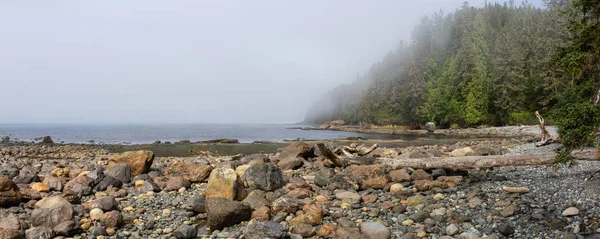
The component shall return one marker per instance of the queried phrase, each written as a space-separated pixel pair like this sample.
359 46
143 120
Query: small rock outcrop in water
47 140
430 127
5 140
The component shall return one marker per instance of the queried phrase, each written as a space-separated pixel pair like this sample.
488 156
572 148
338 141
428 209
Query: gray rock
430 127
506 229
290 163
350 197
345 182
97 175
5 140
11 227
264 176
256 199
223 212
108 181
421 154
286 204
420 216
323 176
452 229
66 228
51 211
375 230
149 186
303 229
98 231
9 171
420 174
175 183
196 203
262 230
185 232
105 204
54 183
39 233
120 171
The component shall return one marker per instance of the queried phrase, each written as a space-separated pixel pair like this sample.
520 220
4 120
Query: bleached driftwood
546 137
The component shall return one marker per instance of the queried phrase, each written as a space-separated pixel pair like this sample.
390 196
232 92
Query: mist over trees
477 65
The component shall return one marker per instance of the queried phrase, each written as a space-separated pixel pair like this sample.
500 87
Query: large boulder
223 212
196 204
39 233
51 211
194 173
264 176
47 140
323 177
120 171
261 230
225 183
9 193
9 171
139 161
291 157
430 127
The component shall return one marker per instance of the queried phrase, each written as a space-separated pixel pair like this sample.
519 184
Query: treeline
479 65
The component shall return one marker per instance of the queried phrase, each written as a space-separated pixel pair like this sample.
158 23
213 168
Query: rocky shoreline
79 191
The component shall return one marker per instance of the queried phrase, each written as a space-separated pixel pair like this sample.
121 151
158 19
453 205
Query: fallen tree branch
546 137
482 162
339 162
364 151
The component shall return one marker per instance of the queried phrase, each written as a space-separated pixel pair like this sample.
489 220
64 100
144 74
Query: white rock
572 211
96 213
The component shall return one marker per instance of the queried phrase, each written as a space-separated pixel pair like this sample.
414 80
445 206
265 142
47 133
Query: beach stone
313 215
396 187
185 232
420 174
469 235
506 229
466 151
120 171
98 231
515 189
26 177
345 182
51 211
399 176
365 172
112 219
9 193
452 229
430 127
192 172
263 176
347 196
304 230
175 183
139 161
54 183
66 228
508 211
108 181
571 211
421 154
261 230
256 199
39 233
224 183
11 227
261 214
424 185
148 186
291 156
375 230
96 214
327 231
105 203
348 233
290 163
9 171
323 176
374 183
5 140
223 212
196 203
286 204
79 186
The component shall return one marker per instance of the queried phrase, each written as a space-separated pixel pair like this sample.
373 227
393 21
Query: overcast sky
191 61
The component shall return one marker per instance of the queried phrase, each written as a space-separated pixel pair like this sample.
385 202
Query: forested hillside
478 65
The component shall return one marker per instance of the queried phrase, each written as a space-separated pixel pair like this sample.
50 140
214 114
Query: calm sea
143 134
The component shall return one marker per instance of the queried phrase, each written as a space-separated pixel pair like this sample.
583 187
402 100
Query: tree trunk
482 162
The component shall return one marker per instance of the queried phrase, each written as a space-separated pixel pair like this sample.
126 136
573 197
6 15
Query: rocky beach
307 189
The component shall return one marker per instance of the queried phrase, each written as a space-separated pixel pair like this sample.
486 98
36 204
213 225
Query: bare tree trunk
482 162
546 137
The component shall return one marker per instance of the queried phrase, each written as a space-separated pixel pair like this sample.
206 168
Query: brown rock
103 203
61 172
51 211
262 214
175 183
348 233
300 193
139 161
399 176
292 155
424 185
40 187
313 215
365 172
9 193
369 198
304 230
327 231
387 205
30 194
375 183
112 219
194 173
54 183
79 186
420 174
223 212
224 183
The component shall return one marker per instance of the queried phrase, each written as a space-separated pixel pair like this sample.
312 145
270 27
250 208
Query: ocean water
144 134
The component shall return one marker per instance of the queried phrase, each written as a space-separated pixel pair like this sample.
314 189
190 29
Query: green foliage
522 118
576 124
475 66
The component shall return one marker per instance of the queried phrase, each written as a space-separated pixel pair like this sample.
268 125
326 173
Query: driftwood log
482 162
338 161
546 137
